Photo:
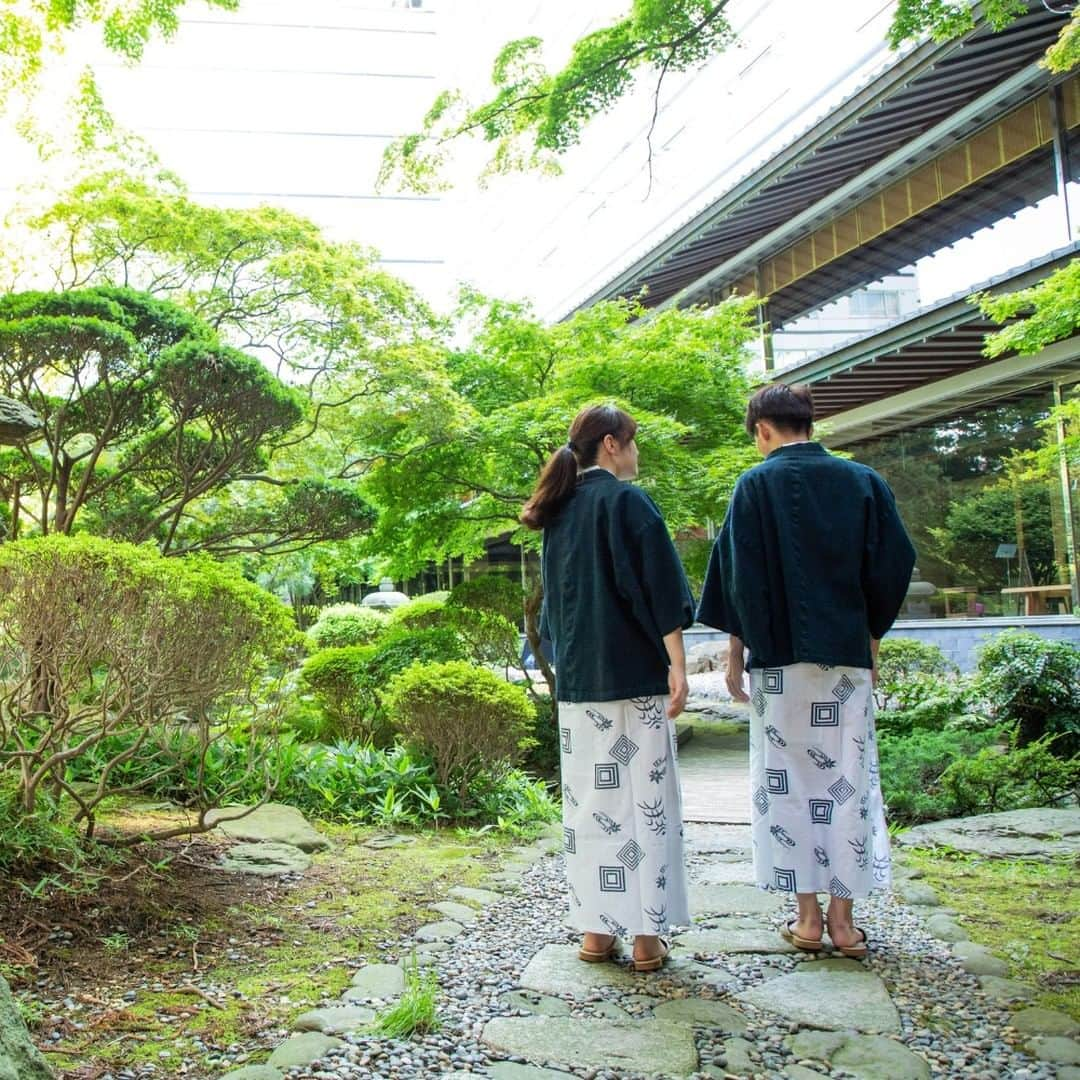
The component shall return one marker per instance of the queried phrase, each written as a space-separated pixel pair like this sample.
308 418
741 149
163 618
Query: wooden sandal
806 944
856 952
653 963
599 956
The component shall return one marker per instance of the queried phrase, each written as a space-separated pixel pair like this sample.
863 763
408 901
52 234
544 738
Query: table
1035 596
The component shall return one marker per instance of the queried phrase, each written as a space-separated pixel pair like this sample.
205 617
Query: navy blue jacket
812 560
613 588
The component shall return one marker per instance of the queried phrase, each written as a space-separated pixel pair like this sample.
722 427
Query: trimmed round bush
346 624
496 593
469 720
338 679
423 613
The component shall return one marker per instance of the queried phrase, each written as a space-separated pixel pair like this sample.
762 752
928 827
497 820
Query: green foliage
347 624
542 759
99 639
1044 313
466 718
928 703
899 659
420 614
497 593
912 767
1033 683
534 115
944 19
338 679
454 470
996 779
414 1012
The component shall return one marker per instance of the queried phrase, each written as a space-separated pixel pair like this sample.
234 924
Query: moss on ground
1023 910
290 949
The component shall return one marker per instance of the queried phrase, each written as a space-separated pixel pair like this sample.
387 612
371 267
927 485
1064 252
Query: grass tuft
414 1012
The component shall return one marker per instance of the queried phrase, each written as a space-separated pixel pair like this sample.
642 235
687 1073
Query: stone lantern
17 422
386 596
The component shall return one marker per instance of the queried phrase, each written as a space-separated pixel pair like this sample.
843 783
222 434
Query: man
808 573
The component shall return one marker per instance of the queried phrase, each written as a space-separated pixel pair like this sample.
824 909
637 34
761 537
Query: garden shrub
338 680
496 593
912 767
469 720
346 624
1033 683
909 671
995 779
423 613
542 759
101 639
933 708
487 636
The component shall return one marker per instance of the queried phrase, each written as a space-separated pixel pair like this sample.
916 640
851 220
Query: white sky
291 103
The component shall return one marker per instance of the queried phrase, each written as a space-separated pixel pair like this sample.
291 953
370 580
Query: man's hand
678 688
736 670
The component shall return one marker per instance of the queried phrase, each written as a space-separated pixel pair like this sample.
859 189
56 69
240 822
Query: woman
615 606
809 572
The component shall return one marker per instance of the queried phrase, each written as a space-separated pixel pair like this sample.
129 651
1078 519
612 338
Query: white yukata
818 814
622 817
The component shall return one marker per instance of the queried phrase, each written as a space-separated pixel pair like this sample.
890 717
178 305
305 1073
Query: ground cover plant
170 955
1002 738
1025 911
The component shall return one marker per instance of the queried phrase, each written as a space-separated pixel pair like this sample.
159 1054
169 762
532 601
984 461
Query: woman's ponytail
556 484
559 477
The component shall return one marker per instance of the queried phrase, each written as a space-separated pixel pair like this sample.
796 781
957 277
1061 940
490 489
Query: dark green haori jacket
613 588
812 560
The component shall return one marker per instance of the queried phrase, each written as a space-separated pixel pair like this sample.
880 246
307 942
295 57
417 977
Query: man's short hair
789 408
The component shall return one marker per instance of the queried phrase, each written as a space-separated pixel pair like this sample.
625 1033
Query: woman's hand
678 688
736 670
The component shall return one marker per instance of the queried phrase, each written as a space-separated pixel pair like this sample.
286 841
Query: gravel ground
944 1016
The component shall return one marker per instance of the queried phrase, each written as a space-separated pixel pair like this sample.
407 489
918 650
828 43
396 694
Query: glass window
991 536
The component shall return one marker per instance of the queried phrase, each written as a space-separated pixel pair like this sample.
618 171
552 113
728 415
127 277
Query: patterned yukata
811 564
622 817
818 817
613 590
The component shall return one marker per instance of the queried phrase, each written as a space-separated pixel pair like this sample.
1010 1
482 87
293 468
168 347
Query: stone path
714 770
734 1001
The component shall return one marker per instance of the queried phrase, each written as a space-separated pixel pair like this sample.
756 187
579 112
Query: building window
879 304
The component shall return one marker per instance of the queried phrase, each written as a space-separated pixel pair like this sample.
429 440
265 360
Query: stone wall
957 638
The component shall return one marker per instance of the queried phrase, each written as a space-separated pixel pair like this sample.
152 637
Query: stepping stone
704 839
728 873
537 1004
945 929
335 1019
866 1057
1037 834
832 994
800 1072
732 899
382 981
978 960
738 1061
439 931
734 936
483 897
302 1050
428 949
461 913
265 859
1056 1049
255 1072
870 1057
273 822
698 1012
511 1070
916 894
618 1046
389 841
556 970
998 989
1038 1021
